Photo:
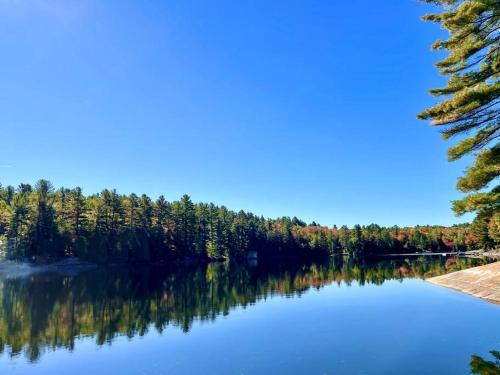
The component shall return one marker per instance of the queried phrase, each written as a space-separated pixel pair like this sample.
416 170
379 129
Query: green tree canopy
469 108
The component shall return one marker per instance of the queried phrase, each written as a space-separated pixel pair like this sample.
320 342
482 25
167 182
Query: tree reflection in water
50 310
481 366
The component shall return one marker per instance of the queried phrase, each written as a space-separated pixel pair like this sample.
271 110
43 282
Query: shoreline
472 253
481 282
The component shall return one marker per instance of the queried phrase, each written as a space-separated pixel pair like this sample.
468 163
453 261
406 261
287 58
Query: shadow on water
50 310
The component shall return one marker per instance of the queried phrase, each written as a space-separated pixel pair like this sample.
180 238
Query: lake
339 316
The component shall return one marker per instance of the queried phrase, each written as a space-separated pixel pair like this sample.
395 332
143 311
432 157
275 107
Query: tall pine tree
469 108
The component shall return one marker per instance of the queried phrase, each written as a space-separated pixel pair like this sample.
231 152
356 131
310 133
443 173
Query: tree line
40 223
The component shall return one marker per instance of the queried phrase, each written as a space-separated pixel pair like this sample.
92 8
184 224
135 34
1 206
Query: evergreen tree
44 235
470 104
131 208
214 247
344 239
481 366
202 228
75 222
162 214
184 219
76 212
356 239
240 235
18 224
145 213
162 219
223 232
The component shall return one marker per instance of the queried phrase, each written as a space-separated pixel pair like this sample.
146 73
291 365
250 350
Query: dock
482 281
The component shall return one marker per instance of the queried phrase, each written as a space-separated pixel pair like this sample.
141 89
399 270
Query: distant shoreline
74 262
473 253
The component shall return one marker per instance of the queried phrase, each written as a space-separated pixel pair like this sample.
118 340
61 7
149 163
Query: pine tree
43 232
18 224
223 231
214 241
76 212
162 228
356 239
470 104
113 211
4 218
240 235
202 231
76 222
344 239
142 249
183 213
145 213
131 207
162 214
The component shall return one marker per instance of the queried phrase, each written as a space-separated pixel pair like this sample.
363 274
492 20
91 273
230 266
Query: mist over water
12 269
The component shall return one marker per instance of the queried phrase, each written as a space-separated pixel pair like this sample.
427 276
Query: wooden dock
482 281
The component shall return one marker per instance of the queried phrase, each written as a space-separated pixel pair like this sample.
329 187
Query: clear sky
303 108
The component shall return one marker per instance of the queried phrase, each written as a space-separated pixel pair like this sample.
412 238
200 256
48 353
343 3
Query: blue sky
303 108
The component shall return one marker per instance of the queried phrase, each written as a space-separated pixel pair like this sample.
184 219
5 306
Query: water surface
336 317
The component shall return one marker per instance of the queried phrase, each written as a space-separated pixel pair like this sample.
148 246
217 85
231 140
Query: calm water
338 317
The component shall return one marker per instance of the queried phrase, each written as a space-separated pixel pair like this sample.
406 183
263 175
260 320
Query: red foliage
402 237
448 243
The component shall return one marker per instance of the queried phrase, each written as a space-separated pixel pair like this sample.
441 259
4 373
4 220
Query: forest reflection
50 310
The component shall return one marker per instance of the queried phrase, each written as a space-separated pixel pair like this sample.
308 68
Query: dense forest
40 224
50 310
